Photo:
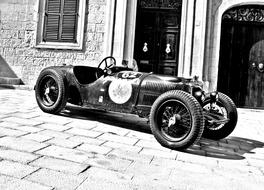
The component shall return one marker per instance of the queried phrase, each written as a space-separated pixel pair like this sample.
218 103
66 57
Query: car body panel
123 91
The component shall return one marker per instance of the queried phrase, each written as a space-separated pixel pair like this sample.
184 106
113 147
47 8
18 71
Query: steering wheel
108 62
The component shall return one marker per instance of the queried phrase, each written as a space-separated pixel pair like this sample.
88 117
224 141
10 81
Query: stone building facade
193 31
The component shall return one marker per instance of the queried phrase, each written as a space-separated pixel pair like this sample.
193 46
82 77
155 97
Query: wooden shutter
61 18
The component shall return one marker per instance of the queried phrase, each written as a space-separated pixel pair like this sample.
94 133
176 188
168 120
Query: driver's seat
85 74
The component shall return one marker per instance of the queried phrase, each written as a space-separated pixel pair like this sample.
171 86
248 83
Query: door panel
157 40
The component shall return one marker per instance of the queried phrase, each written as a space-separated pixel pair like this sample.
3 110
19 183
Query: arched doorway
157 35
241 72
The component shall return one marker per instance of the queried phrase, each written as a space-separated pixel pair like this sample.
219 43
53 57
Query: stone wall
18 27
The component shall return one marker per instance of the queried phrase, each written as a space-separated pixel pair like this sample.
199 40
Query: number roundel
120 91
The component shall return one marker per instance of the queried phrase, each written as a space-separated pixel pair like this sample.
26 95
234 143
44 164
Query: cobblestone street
87 149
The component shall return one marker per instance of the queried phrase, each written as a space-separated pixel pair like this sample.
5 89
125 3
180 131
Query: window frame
78 45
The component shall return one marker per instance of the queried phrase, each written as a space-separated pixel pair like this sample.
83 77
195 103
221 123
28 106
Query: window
61 24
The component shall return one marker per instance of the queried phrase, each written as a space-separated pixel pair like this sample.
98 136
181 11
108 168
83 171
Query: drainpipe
192 42
113 29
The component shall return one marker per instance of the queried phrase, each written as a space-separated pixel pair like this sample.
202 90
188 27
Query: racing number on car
129 75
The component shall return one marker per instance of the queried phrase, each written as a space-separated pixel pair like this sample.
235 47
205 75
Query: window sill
58 45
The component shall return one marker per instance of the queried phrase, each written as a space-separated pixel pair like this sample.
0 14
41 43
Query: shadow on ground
229 148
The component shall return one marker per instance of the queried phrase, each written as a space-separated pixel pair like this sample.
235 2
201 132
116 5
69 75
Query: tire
226 107
176 120
51 91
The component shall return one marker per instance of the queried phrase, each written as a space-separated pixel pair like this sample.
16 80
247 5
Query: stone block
105 128
17 156
15 169
159 153
118 139
94 149
8 183
82 139
65 153
83 132
37 137
21 144
11 132
59 165
56 179
63 143
123 147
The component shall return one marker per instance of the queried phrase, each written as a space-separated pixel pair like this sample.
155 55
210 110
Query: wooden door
241 61
157 38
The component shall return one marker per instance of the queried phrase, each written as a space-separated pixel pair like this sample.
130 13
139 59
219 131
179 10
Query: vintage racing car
178 109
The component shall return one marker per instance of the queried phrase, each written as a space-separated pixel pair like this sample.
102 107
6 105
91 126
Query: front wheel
176 120
224 107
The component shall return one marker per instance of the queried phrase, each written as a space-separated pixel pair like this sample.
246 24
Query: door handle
145 47
168 48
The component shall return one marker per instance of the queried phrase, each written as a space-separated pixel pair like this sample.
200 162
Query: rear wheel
51 91
226 108
176 120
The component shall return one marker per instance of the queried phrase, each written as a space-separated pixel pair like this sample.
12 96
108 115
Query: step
10 81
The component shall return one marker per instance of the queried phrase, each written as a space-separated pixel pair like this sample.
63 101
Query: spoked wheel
225 108
50 91
176 120
105 65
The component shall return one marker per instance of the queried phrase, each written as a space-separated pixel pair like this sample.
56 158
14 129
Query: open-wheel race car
178 109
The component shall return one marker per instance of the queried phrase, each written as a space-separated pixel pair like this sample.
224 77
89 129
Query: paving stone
159 153
65 153
55 134
11 132
94 149
165 163
28 129
196 159
82 139
9 124
120 146
21 144
63 143
52 119
105 128
21 121
142 170
96 184
37 137
10 183
59 165
17 155
28 115
84 132
109 163
54 127
119 139
98 178
129 155
82 124
16 169
108 175
152 144
56 179
141 135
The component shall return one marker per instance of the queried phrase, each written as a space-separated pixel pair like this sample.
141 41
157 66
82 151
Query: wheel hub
47 90
174 119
